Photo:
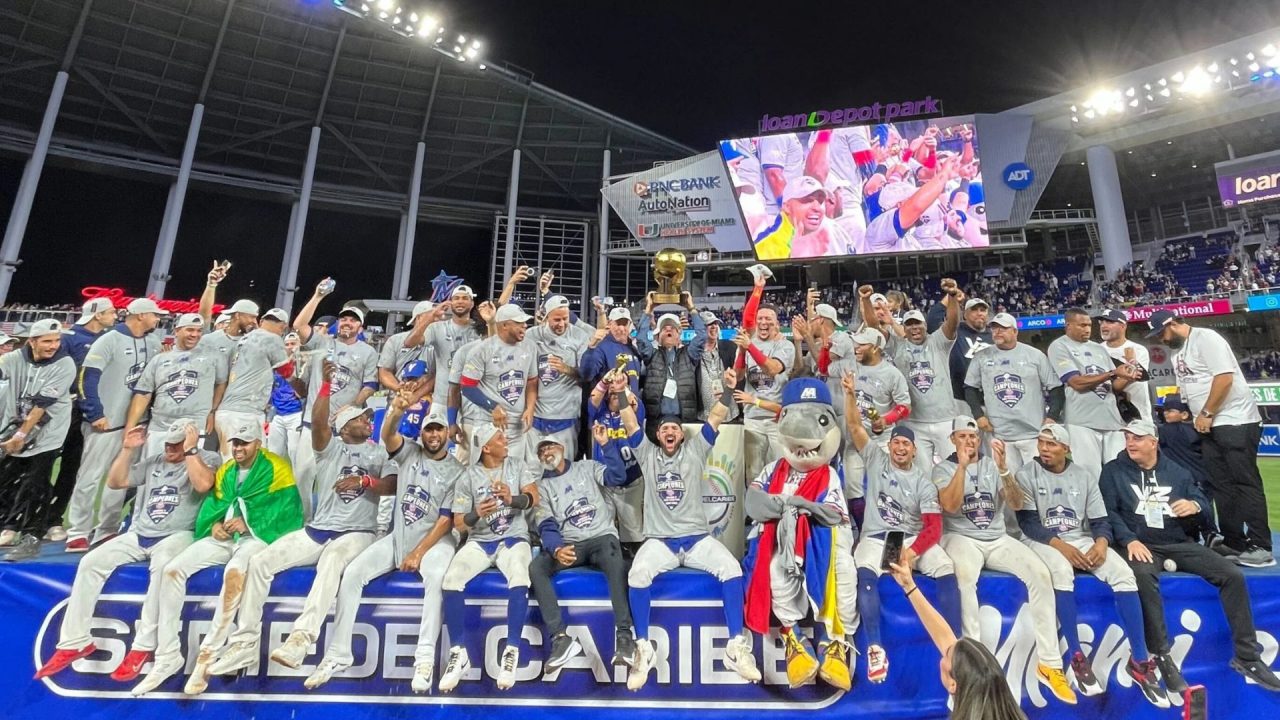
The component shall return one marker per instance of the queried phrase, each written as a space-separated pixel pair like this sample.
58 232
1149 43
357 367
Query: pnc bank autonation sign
873 113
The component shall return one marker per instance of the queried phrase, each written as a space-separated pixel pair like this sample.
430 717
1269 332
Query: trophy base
670 307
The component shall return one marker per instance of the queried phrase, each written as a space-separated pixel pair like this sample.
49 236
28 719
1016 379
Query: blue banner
1269 441
690 682
1042 322
1269 301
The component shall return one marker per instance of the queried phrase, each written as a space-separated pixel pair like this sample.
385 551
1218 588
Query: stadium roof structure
267 71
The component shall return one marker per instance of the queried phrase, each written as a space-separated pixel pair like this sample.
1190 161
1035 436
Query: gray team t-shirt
350 510
559 396
1065 501
220 342
181 385
251 371
121 358
1014 384
574 501
356 365
760 384
424 492
1094 408
166 503
927 370
476 485
445 337
896 499
673 486
880 386
501 370
397 358
460 361
981 514
24 385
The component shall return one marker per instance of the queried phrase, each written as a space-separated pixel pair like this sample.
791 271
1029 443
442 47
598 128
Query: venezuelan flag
774 242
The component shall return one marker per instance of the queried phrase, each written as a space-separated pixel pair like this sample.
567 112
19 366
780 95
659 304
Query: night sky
695 71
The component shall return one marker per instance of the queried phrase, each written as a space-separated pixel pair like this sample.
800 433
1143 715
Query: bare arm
952 302
118 473
853 414
320 432
302 323
138 405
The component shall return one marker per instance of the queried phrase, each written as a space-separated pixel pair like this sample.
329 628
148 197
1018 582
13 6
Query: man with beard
883 400
445 337
242 318
766 357
179 387
407 350
500 380
922 359
1113 326
258 356
560 343
971 336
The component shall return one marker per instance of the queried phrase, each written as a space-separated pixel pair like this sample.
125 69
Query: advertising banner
686 200
725 486
1042 322
1269 301
1249 179
1198 308
1269 441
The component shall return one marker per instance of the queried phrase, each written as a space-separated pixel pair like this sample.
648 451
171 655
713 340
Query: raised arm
853 414
302 323
321 434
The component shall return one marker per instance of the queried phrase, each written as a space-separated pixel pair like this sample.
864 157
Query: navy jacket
1121 482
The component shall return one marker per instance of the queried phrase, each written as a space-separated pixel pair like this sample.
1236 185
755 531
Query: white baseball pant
226 421
762 445
470 560
934 562
628 508
304 470
203 553
100 450
933 442
282 435
708 555
1091 448
1020 452
379 559
846 579
1114 571
1005 555
97 566
297 549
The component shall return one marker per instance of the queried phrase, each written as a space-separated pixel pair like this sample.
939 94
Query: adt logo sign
1019 176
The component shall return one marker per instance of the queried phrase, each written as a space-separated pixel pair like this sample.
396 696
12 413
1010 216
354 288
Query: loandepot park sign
875 112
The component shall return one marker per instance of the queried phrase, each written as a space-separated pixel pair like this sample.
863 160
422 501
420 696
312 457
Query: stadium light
359 8
1269 50
1196 83
415 24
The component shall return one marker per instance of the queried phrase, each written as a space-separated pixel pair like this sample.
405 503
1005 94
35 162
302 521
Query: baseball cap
425 306
176 433
555 302
895 193
548 441
144 305
414 370
805 390
247 307
463 290
511 312
354 312
245 432
347 413
1055 433
669 319
619 313
826 311
972 303
1112 315
1141 428
867 336
1174 402
709 318
5 339
1158 320
436 416
93 307
481 437
903 431
801 187
913 316
964 422
879 298
222 317
188 320
1004 320
669 419
278 314
325 320
47 326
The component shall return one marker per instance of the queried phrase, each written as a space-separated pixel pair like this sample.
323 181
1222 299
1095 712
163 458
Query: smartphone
1195 703
813 284
892 548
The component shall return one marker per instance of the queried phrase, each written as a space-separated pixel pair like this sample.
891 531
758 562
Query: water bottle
327 286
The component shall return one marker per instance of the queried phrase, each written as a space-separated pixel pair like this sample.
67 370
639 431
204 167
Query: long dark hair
982 693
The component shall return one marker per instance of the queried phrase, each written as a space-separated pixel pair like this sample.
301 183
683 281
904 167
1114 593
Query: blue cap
1174 402
1158 320
903 431
1113 315
803 390
414 370
976 196
880 134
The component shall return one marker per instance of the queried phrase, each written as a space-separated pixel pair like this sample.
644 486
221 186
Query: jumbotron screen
913 186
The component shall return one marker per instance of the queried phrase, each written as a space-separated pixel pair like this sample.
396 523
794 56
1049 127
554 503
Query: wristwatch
192 451
1206 414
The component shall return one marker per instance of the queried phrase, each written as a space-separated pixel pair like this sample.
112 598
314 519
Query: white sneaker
56 534
738 657
293 651
639 673
459 663
328 668
422 673
199 680
759 270
161 670
507 675
236 658
8 537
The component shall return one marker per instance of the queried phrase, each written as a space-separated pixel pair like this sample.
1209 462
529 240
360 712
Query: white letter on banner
529 670
393 650
113 644
708 655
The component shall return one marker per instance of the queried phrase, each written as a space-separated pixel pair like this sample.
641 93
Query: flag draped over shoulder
267 500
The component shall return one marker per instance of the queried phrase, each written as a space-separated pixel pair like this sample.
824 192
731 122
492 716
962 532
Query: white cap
47 326
222 317
912 316
709 318
436 416
246 432
671 318
144 305
248 307
555 302
619 313
188 320
177 432
826 311
801 187
867 336
972 303
1004 320
895 193
511 312
1141 428
463 290
964 422
425 306
347 413
93 307
879 298
278 314
353 310
481 437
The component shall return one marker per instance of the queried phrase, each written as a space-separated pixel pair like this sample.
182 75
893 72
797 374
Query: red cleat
131 666
78 545
62 659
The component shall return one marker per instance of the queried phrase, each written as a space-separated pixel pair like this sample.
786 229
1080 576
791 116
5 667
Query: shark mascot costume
799 556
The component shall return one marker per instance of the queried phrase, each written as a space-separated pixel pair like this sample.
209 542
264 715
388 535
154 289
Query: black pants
1231 452
72 449
603 553
24 491
1220 572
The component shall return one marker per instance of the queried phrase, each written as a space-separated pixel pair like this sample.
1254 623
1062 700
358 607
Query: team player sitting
170 484
799 548
346 515
576 524
900 498
677 532
489 504
974 489
420 541
1065 523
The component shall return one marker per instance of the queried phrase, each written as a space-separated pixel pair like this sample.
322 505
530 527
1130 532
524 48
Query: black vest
655 379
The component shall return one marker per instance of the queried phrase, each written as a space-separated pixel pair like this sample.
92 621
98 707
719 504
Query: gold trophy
668 270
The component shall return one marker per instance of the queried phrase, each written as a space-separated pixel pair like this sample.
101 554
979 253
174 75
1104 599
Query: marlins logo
181 385
890 510
670 489
921 375
1009 389
511 386
980 508
580 513
349 495
415 504
1061 519
161 502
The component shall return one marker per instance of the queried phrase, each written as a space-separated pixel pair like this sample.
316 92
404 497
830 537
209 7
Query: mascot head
808 426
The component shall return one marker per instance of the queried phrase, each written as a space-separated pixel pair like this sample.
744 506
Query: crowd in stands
1138 285
1261 365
